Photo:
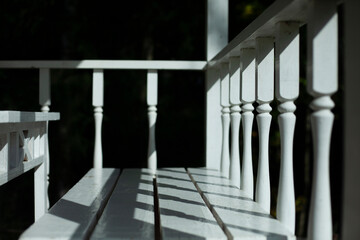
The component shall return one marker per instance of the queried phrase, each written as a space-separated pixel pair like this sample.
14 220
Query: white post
39 178
225 118
152 96
322 83
287 90
264 96
247 97
235 120
98 102
217 38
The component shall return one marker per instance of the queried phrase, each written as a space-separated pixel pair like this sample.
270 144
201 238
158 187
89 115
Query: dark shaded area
159 30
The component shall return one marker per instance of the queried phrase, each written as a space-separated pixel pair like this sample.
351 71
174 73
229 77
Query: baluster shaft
152 95
322 83
225 118
247 97
287 90
264 96
235 117
98 102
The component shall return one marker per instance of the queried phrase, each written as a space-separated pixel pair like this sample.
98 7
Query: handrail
263 26
106 64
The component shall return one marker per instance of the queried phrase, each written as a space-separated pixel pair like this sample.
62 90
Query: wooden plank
243 218
183 213
17 116
73 216
129 213
107 64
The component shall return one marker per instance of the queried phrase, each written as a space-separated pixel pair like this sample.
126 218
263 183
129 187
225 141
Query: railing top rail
264 26
106 64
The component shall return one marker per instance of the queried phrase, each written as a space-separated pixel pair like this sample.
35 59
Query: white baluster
247 97
264 96
45 102
152 96
225 118
287 90
98 102
322 83
235 109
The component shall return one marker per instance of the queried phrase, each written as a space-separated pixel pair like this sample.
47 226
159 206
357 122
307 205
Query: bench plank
243 217
129 213
74 215
183 213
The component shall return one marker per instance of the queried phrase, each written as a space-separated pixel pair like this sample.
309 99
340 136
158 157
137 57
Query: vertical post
98 102
225 119
234 68
351 190
322 83
152 96
217 38
41 192
264 96
287 90
247 97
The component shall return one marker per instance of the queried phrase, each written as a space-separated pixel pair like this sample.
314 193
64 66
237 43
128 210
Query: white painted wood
40 190
264 25
287 90
75 214
129 214
183 213
17 116
45 102
109 64
152 97
322 83
234 68
98 102
243 218
4 152
217 26
247 97
351 163
264 96
213 119
225 119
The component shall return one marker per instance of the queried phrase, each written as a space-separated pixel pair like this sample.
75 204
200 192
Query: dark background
138 30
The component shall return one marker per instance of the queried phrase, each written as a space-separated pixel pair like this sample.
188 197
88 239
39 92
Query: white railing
262 61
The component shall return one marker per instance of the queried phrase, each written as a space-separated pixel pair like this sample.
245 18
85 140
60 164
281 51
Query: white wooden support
287 90
225 119
234 68
322 83
247 98
217 38
98 102
45 102
264 96
152 99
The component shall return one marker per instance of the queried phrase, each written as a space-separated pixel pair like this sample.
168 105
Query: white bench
196 203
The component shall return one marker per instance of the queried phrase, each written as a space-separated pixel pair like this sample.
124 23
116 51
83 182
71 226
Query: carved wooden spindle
152 96
322 83
98 102
247 98
264 96
287 90
225 118
45 102
235 109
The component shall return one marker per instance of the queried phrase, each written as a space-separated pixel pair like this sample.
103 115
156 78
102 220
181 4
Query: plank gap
101 209
158 234
212 210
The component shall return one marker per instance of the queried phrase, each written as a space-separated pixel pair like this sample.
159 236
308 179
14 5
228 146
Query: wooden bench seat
179 203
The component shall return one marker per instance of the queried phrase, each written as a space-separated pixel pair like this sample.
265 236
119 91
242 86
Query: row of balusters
258 73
